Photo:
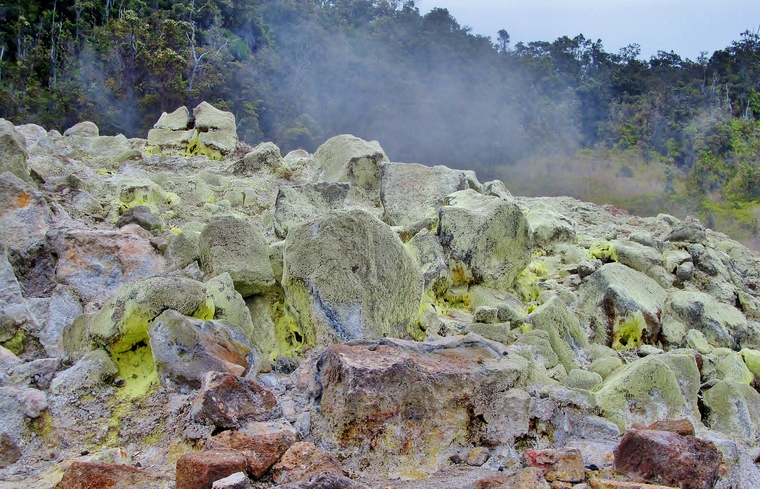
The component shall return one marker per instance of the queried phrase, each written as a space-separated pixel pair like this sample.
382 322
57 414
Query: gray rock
143 217
263 156
496 188
722 324
94 368
486 315
582 379
684 271
636 256
300 203
184 249
431 260
83 129
549 227
346 158
411 192
230 245
179 120
688 231
486 239
238 480
13 153
734 410
566 336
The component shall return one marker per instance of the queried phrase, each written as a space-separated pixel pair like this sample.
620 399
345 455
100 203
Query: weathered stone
325 480
683 427
228 305
734 410
566 336
688 231
186 348
431 260
478 456
564 464
261 450
667 458
596 483
199 470
347 276
134 192
496 188
13 153
618 298
486 239
684 271
303 459
605 366
83 129
536 347
302 203
238 480
208 118
549 227
179 120
91 370
85 475
9 451
486 315
411 192
634 255
264 155
582 379
233 246
397 402
184 249
346 158
143 217
722 324
228 401
172 141
528 478
652 388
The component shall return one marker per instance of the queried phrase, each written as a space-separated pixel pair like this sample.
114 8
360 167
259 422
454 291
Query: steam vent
188 311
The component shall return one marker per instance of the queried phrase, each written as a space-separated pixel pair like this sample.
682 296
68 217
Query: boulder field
188 311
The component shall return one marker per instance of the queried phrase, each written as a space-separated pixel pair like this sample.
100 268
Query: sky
687 27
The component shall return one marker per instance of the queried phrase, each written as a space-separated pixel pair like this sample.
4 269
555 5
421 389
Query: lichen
16 344
604 251
526 285
289 334
205 310
628 331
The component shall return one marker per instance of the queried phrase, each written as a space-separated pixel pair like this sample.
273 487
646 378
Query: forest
561 117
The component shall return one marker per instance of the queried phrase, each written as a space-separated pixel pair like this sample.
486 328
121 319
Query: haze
687 27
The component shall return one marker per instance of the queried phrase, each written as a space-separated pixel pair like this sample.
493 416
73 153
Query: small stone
478 456
238 480
486 315
564 464
9 451
227 400
81 475
663 457
143 217
199 470
684 271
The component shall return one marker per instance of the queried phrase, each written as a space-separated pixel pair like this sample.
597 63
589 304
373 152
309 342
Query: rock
134 192
396 403
527 478
233 246
667 458
217 131
346 158
486 315
558 464
179 120
722 324
238 480
684 271
264 155
13 153
486 239
688 231
605 366
9 451
683 427
549 227
582 379
261 450
184 249
228 401
496 188
536 347
14 310
618 298
95 263
597 483
566 336
431 261
143 217
637 256
303 203
734 410
81 475
92 369
85 129
228 305
199 470
303 459
170 141
412 192
186 348
347 276
652 388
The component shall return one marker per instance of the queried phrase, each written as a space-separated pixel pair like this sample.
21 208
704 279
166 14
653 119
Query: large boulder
179 120
411 192
565 333
486 239
635 255
263 156
300 203
625 306
217 131
231 245
549 226
13 152
84 129
348 276
733 408
346 158
650 389
405 407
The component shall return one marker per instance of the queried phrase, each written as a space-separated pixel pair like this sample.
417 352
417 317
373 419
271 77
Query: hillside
185 307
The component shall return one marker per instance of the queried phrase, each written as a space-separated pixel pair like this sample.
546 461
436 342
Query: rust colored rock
303 460
681 426
227 400
199 470
565 464
610 484
528 478
91 475
664 457
561 485
261 451
9 451
478 456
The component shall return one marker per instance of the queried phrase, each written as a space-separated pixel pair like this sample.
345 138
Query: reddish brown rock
91 475
9 451
528 478
303 460
227 400
664 457
681 426
199 470
565 464
611 484
261 451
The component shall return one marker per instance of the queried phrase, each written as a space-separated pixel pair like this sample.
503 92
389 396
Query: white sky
684 26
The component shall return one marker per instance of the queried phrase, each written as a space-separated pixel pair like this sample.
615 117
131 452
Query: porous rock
13 153
558 464
549 226
346 158
83 129
85 475
300 203
199 470
261 450
722 324
143 217
304 459
228 400
264 155
527 478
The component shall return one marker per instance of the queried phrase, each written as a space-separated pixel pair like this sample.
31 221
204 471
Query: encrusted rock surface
188 311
